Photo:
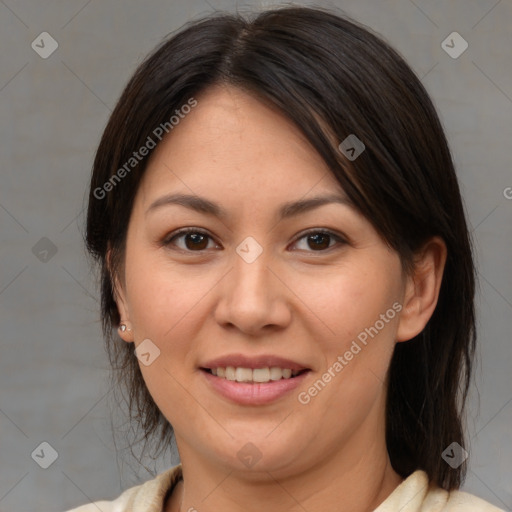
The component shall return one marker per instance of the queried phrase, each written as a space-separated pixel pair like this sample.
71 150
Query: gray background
53 368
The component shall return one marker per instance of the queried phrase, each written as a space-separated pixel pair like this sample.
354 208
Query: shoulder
416 494
146 497
456 501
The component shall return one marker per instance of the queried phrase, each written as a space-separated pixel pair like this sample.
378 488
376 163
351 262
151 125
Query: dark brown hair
332 77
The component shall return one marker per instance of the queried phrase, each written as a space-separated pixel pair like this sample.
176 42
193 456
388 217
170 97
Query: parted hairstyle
332 77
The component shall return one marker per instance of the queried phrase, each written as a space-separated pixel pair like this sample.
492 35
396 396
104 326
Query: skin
295 301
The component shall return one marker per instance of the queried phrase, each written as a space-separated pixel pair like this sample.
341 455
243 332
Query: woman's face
250 289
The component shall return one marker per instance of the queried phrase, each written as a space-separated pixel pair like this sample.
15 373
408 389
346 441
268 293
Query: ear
118 290
422 289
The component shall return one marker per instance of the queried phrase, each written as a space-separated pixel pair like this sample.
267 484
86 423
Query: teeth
275 373
243 374
260 375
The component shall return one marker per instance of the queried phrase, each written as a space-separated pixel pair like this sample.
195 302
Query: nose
253 297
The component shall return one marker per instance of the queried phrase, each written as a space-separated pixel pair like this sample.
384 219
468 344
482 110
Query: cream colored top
413 495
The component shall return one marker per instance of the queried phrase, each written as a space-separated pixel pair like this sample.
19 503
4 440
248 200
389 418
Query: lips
253 380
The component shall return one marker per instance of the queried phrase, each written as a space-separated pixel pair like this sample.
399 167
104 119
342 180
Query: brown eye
196 241
319 241
193 240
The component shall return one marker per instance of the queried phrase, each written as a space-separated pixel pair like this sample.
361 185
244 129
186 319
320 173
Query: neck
357 478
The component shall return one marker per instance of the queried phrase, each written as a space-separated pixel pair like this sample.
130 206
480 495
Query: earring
124 328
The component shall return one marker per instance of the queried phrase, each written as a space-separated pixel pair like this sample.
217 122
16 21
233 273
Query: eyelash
180 233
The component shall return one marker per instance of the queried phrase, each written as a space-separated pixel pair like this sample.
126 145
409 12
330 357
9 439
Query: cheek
164 307
355 313
354 344
349 298
163 298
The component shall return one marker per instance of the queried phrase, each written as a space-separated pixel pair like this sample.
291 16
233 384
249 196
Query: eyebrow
287 210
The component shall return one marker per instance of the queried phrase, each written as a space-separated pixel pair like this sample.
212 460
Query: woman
282 241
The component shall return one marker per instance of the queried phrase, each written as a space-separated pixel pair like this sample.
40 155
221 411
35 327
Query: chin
260 454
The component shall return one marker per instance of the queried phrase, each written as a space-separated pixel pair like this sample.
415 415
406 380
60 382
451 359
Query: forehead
231 145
